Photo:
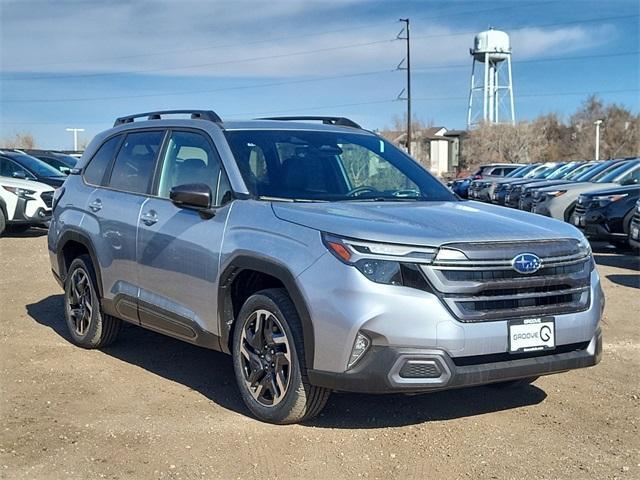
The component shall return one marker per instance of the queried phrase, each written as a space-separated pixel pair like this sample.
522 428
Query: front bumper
595 227
41 215
383 369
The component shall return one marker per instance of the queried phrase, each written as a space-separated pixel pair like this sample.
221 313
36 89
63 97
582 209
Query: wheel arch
270 268
69 246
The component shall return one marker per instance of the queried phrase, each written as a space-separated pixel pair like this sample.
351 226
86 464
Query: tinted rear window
94 172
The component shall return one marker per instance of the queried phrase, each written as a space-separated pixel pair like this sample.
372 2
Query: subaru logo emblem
526 263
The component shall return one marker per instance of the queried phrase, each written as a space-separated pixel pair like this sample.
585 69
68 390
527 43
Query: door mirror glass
191 195
19 174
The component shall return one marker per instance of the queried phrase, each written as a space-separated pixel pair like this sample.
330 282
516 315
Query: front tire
3 222
88 326
268 360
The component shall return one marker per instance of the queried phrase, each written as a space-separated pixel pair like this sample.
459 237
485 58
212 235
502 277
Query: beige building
436 148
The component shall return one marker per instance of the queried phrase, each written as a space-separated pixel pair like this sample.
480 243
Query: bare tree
20 140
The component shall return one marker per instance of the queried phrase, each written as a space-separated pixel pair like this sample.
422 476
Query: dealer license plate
578 220
635 233
532 334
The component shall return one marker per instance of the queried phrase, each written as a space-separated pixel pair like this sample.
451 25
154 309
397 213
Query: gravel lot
153 407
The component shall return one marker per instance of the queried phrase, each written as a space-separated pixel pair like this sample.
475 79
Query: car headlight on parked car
604 200
20 192
556 193
384 263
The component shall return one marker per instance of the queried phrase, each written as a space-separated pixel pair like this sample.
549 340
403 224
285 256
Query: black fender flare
3 207
83 239
268 266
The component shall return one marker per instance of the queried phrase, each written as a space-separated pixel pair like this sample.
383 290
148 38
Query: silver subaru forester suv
320 256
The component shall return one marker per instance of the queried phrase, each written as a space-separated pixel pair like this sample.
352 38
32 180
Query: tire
3 222
88 326
256 376
522 382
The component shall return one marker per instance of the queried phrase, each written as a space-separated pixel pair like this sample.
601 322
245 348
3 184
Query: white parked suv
24 203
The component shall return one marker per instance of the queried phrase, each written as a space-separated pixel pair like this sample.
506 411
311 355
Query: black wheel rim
79 301
265 358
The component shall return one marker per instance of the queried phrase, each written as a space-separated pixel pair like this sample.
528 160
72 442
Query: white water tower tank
494 43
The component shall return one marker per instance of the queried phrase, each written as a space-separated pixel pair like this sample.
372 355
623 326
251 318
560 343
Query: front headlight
556 193
385 263
604 200
20 192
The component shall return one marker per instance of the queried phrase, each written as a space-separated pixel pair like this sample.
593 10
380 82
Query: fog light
360 346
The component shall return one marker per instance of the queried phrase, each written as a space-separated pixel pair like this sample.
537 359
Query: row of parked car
602 198
28 179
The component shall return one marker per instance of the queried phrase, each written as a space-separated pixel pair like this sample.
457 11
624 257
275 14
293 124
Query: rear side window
135 164
94 172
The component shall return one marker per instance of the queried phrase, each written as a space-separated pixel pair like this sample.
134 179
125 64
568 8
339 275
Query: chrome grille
485 287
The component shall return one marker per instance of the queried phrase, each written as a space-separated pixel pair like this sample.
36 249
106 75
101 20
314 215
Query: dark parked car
461 185
15 164
634 228
60 161
606 214
502 189
481 189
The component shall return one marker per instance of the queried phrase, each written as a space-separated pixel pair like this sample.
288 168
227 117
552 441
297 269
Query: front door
178 248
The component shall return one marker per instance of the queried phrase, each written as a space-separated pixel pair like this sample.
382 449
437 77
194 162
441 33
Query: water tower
493 49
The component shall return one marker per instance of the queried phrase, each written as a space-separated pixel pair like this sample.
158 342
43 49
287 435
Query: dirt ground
153 407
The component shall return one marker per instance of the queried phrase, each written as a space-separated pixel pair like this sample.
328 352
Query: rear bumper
385 369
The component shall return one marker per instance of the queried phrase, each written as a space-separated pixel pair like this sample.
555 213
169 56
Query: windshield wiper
290 200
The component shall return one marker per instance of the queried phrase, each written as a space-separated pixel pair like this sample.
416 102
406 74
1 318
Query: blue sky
83 63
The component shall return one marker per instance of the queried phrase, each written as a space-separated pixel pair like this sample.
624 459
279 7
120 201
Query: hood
27 184
632 190
55 182
423 223
579 186
548 183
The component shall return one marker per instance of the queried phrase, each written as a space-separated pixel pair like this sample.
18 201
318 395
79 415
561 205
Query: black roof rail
341 121
195 114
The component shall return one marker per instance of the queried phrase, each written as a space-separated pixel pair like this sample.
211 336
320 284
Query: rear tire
269 362
522 382
88 326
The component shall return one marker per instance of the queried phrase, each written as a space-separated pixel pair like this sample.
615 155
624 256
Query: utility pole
597 123
408 69
75 136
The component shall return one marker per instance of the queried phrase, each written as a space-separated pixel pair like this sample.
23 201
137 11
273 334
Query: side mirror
19 174
191 195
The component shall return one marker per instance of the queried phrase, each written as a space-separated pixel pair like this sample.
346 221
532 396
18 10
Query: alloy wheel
265 358
79 303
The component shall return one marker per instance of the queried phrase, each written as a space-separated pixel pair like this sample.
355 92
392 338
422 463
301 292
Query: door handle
149 218
96 205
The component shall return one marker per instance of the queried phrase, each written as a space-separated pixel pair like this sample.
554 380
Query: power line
304 109
164 52
210 64
286 55
298 81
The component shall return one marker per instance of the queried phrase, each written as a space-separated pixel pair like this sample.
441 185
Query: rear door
179 248
113 209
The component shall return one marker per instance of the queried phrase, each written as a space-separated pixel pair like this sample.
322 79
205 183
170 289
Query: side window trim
162 158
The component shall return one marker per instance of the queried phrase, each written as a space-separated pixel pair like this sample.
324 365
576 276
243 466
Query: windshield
596 171
562 171
583 168
310 165
613 175
515 173
36 166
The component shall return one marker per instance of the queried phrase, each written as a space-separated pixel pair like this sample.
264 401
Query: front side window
190 158
327 166
135 164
